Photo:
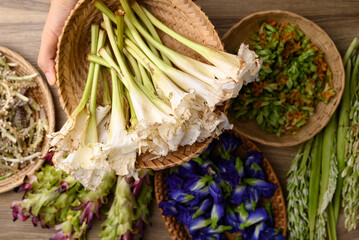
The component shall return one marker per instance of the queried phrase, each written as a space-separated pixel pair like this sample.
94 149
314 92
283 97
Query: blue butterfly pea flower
238 195
231 219
174 181
194 225
254 197
205 206
184 214
179 195
254 157
255 171
168 208
242 213
217 230
257 231
223 164
271 234
258 216
217 214
216 192
239 166
266 189
229 142
199 183
231 177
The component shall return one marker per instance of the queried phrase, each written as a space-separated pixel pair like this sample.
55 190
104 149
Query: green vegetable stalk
314 184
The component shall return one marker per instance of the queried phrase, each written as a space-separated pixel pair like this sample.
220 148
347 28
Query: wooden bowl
183 16
240 33
177 231
41 95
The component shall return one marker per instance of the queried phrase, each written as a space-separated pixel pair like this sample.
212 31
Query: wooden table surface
21 24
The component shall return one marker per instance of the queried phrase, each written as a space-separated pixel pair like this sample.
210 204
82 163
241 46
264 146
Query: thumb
58 13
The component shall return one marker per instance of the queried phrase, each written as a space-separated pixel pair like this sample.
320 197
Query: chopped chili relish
294 78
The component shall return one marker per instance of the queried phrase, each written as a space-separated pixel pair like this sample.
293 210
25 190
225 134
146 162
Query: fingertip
51 76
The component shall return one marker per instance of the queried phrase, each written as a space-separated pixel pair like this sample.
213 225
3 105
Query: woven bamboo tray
240 33
179 232
183 16
42 95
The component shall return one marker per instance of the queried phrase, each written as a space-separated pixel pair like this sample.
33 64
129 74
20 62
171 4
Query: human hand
58 13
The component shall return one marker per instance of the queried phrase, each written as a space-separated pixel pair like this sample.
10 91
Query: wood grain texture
21 24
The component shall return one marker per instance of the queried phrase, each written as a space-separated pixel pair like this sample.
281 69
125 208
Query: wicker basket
248 25
179 232
183 16
42 95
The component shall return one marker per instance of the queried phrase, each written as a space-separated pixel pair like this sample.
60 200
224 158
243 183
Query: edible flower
255 217
217 214
216 192
266 189
203 208
238 195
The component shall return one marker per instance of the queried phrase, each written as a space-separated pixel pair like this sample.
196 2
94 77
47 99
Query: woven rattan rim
179 232
240 32
42 95
183 16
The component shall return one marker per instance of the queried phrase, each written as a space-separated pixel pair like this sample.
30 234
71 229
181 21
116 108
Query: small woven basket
183 16
240 33
41 95
179 232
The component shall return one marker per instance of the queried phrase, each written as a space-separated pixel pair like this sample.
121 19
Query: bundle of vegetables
55 200
218 193
311 185
129 211
155 107
294 79
349 138
22 120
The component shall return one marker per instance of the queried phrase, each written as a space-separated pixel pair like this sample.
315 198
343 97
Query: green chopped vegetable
294 78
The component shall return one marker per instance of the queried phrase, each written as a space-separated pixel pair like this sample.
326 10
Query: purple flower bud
60 236
231 177
63 187
18 212
203 208
128 235
48 158
216 192
27 185
89 208
137 185
217 214
168 208
266 189
238 195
